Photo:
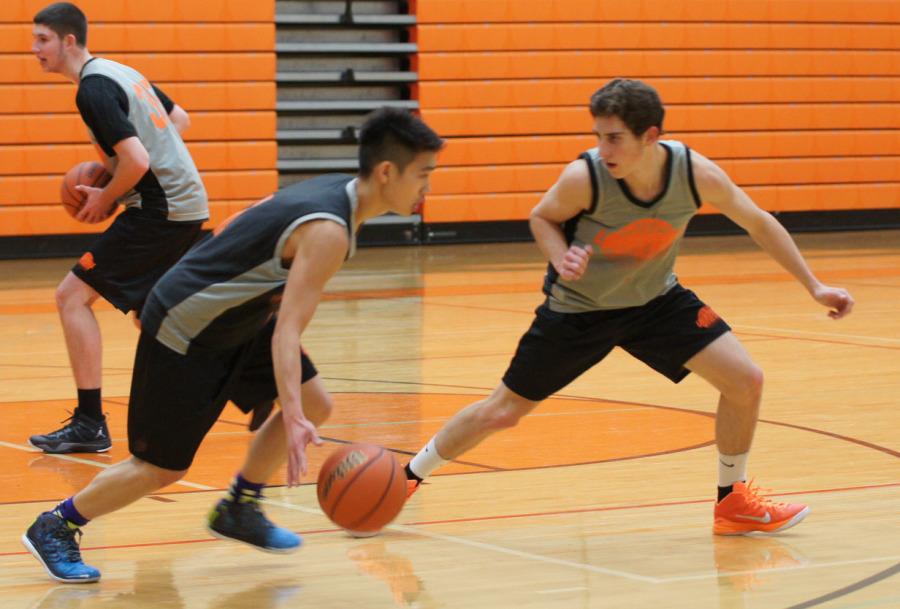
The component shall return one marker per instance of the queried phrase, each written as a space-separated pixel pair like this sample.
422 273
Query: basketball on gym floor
87 173
361 487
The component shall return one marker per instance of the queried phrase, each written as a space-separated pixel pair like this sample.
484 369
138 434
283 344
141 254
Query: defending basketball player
136 128
610 227
230 315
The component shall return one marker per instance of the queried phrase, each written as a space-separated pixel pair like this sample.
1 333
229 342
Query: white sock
732 468
427 460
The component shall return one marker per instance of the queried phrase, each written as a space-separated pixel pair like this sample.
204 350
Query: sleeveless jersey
635 242
170 162
225 289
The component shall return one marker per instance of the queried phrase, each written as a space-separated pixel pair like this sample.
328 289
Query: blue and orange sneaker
744 511
52 541
243 520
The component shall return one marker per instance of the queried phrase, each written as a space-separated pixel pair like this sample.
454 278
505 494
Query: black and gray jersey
225 289
117 102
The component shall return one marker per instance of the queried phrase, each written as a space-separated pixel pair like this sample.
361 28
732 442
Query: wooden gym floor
601 499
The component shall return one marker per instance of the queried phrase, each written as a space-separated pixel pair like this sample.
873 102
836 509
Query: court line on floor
412 528
818 565
886 339
409 529
863 583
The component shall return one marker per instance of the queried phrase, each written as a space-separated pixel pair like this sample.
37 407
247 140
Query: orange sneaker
411 487
745 511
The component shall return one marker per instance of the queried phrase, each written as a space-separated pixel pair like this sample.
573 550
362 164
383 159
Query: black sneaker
82 435
53 543
244 521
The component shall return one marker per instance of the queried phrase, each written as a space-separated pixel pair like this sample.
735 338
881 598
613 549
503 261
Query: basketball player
208 328
610 227
135 127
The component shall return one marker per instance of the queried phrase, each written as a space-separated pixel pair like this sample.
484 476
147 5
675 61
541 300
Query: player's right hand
300 432
574 262
93 210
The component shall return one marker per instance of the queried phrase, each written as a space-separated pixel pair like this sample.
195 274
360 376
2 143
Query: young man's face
620 149
405 191
48 48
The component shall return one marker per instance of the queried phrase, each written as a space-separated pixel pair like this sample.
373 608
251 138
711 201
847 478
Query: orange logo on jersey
87 261
641 240
235 216
706 317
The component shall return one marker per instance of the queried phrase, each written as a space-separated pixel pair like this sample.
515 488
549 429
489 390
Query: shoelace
252 513
756 500
66 545
65 427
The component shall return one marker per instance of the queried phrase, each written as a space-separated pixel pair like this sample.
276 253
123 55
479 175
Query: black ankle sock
89 403
724 491
410 475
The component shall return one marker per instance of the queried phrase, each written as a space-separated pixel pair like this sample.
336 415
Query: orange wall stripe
526 178
479 11
536 121
60 98
104 38
180 67
516 206
53 219
637 64
38 160
577 92
155 11
622 35
21 191
772 144
68 128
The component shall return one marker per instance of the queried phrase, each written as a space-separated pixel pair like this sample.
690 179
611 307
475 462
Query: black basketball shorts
130 256
176 399
559 347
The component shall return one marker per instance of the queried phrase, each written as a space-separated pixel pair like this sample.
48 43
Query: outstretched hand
300 432
838 300
574 262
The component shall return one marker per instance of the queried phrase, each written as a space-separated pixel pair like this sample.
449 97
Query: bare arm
132 162
318 249
566 199
180 118
717 189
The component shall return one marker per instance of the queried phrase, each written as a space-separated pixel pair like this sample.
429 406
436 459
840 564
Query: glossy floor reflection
602 499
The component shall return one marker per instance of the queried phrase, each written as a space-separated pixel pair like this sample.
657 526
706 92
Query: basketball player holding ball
136 128
227 319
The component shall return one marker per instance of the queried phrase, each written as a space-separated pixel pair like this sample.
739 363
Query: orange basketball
88 173
361 487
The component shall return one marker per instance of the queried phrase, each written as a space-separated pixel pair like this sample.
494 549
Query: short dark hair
64 18
633 101
395 135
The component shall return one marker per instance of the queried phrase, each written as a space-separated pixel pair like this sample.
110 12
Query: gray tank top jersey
635 242
226 288
170 160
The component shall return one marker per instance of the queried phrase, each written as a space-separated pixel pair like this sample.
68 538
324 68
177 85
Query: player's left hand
93 210
300 432
838 300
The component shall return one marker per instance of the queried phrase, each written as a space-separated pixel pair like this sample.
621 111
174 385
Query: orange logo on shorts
87 261
706 317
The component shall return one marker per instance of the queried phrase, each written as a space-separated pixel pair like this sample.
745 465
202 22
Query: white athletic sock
427 460
732 468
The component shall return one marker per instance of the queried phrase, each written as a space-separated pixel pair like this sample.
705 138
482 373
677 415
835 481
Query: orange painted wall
799 100
215 58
